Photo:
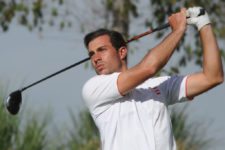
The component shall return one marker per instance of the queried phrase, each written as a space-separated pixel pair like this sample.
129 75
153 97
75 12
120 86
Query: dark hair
116 38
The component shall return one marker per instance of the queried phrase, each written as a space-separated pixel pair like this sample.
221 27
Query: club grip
202 12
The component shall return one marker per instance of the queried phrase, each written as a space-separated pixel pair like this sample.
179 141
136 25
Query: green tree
191 49
31 14
112 14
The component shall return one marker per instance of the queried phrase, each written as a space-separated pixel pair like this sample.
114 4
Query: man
128 106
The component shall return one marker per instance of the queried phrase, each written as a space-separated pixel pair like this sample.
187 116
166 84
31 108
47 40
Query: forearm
212 64
158 56
212 73
153 61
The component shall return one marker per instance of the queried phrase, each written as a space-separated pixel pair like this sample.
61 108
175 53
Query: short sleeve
174 89
100 91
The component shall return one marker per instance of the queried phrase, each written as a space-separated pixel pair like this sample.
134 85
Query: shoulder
100 80
101 89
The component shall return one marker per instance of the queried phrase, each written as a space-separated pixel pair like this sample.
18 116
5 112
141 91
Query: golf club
14 100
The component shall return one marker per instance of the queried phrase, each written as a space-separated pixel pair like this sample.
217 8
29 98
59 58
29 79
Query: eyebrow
91 52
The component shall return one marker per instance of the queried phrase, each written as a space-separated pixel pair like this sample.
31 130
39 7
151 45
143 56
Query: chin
102 72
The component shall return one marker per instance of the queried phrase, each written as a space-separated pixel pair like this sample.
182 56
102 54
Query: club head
13 102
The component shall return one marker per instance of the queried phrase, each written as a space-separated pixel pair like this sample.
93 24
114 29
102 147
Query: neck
124 66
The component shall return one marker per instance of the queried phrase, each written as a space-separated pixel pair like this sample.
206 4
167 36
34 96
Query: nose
96 57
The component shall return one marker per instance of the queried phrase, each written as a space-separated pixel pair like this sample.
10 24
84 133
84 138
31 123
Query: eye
102 49
91 54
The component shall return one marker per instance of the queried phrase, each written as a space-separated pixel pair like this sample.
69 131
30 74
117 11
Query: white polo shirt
139 120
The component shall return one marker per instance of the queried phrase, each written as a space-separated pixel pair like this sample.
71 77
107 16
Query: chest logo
155 90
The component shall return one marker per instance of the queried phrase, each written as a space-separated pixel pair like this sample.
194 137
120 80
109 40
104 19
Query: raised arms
156 58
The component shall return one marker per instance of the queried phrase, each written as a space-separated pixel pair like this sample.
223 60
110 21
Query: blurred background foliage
117 15
37 15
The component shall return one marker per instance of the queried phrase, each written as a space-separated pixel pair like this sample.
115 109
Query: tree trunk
120 15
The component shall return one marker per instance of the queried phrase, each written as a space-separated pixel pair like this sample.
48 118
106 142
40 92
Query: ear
122 52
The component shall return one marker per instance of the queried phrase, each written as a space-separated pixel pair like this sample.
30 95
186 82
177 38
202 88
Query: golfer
129 105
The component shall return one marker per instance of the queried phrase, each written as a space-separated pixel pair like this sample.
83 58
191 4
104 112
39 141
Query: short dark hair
116 38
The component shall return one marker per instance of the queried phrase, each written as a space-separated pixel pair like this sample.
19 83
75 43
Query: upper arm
133 77
153 61
198 83
212 73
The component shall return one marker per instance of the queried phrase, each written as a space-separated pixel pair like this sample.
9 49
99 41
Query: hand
177 20
198 21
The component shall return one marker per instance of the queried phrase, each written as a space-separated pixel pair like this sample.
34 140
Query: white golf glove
198 21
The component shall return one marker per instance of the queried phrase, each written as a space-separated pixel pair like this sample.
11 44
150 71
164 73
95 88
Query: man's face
104 57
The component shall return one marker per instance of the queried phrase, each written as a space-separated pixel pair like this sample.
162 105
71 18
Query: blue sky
26 57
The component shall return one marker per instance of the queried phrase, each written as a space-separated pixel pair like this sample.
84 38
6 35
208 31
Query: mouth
99 67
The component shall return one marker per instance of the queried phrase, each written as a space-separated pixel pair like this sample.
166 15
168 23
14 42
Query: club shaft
202 12
62 70
86 59
148 32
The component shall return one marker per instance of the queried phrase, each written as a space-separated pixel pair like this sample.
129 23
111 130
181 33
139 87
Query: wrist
200 27
205 28
179 31
203 21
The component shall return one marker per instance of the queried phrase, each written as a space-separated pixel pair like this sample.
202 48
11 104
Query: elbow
149 68
148 71
153 69
156 65
218 80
